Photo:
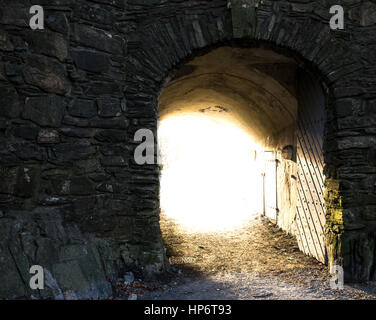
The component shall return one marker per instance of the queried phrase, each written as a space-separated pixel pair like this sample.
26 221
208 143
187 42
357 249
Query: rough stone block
97 38
70 152
93 13
58 22
83 108
48 136
111 136
5 43
49 43
12 285
27 132
26 150
46 111
9 102
91 61
243 18
17 14
109 107
46 74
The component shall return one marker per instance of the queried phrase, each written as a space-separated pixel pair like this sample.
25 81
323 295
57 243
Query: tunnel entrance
211 176
241 137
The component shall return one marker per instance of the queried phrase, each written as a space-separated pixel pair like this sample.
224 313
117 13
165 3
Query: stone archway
170 43
73 96
265 94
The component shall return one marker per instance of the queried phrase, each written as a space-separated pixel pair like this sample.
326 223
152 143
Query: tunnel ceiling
255 87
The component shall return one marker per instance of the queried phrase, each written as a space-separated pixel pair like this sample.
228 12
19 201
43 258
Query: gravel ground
256 262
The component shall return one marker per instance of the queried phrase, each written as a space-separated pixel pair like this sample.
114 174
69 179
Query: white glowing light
210 179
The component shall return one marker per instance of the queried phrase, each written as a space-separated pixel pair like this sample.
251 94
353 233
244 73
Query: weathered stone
348 107
54 3
109 107
113 150
105 187
88 166
48 43
243 18
356 142
2 72
27 132
83 108
127 55
128 278
74 186
109 123
364 14
47 251
9 102
69 152
46 74
116 161
93 13
75 285
46 111
58 22
91 61
77 122
115 3
12 284
17 14
26 150
111 136
52 286
5 43
27 182
48 136
97 38
9 178
104 88
78 132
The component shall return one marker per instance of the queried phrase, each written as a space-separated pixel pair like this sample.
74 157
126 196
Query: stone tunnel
73 95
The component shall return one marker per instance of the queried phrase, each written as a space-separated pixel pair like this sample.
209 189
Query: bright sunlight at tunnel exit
211 173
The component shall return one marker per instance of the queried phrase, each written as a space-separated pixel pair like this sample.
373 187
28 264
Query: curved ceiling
254 87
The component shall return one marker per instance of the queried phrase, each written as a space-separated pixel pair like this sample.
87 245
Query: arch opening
213 181
211 177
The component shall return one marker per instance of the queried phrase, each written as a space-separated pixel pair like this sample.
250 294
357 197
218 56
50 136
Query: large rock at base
73 266
12 285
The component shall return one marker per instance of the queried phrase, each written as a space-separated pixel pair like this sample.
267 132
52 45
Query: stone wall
73 95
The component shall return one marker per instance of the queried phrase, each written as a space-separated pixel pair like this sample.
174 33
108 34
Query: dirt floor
258 261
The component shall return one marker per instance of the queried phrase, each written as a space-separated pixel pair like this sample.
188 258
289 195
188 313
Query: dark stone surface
46 74
98 39
48 136
10 106
72 96
109 107
48 43
83 108
69 152
91 61
46 111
